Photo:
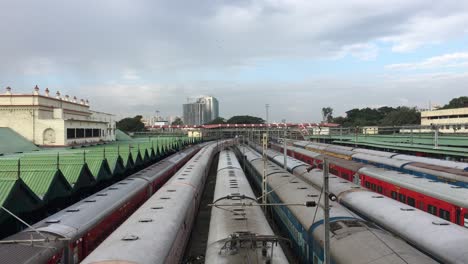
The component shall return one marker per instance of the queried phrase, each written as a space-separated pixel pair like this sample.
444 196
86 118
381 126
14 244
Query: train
442 240
452 172
239 231
159 230
72 233
436 197
352 239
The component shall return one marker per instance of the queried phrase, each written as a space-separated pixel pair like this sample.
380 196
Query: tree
218 120
131 124
177 122
402 116
327 113
245 119
459 102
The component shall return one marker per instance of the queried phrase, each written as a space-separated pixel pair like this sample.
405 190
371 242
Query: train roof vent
302 188
355 187
407 209
312 195
90 201
157 207
130 238
333 177
181 178
377 196
113 188
238 209
165 198
101 194
285 176
53 221
122 183
456 187
294 182
171 190
440 223
145 220
432 181
240 218
73 210
344 181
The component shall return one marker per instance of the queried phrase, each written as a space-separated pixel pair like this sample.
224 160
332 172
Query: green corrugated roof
6 186
12 142
47 184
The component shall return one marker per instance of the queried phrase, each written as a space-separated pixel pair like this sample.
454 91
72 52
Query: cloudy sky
139 56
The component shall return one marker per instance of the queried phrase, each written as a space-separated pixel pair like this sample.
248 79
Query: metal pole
285 151
326 253
264 178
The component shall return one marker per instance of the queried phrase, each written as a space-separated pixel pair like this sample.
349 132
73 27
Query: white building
447 120
54 121
204 110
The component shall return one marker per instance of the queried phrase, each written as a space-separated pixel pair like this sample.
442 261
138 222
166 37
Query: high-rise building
202 111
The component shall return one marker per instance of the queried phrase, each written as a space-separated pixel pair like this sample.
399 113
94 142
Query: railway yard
234 200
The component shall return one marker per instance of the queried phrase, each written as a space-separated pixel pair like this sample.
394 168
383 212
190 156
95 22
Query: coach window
379 189
444 214
402 198
411 201
345 175
432 209
367 185
394 195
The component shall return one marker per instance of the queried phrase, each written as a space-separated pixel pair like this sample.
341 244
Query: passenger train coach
440 239
352 239
438 198
159 230
71 234
239 231
435 169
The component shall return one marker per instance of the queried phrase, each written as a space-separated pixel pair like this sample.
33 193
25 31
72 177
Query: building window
88 132
96 132
411 201
80 133
71 133
444 214
432 209
394 195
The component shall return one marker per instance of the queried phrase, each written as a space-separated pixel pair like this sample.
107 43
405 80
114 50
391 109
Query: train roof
443 191
78 218
375 152
444 240
147 235
462 173
351 235
382 160
242 221
439 162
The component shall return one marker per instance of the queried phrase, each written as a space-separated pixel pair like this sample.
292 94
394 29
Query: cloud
459 59
138 56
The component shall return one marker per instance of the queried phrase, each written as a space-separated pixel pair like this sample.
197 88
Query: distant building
448 120
54 121
202 111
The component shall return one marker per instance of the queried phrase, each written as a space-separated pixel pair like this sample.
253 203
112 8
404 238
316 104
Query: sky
131 57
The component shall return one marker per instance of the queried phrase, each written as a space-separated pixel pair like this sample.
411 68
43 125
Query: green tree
218 120
402 116
245 119
459 102
327 114
131 124
177 122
